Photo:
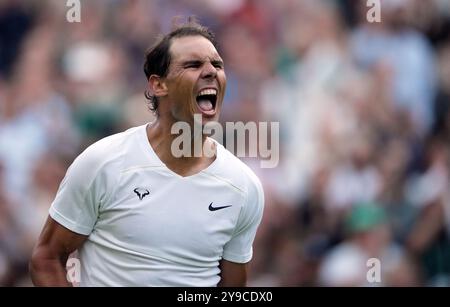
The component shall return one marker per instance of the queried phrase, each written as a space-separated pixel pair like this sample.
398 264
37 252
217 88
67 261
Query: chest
173 215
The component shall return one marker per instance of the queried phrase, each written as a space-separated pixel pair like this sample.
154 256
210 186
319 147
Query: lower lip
208 113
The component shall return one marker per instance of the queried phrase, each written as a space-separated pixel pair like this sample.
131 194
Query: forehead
192 47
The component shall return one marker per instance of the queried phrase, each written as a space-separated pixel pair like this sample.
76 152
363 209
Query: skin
195 65
55 244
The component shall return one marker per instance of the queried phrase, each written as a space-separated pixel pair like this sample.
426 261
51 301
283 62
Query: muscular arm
232 274
48 262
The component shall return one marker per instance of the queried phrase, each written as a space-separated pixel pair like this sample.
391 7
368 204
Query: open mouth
206 101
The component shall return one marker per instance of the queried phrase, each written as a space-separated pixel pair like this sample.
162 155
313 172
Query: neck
161 139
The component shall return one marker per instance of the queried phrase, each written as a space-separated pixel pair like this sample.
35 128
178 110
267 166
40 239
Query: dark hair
157 58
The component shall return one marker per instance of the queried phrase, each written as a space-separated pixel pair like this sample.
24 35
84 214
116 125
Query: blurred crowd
364 113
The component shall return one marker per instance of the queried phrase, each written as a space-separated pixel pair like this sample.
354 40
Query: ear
157 86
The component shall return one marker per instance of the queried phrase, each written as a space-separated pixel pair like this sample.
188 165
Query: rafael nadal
138 215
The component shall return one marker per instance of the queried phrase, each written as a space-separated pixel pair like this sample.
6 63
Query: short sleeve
239 249
76 205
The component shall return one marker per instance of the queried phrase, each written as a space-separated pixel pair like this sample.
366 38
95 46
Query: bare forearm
48 263
48 272
232 274
232 282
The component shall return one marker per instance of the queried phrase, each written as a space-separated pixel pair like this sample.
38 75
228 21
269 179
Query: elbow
43 263
36 263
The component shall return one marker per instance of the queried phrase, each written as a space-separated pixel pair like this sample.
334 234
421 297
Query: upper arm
232 274
239 248
88 183
48 262
56 242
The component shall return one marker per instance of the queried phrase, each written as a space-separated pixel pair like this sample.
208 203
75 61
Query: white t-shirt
147 225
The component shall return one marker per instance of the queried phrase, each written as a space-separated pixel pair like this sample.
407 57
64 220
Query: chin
210 118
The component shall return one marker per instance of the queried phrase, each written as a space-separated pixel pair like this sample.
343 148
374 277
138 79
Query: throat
186 167
189 163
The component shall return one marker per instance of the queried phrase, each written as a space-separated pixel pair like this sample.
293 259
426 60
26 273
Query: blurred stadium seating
364 112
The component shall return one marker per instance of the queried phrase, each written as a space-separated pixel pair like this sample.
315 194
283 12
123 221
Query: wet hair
158 57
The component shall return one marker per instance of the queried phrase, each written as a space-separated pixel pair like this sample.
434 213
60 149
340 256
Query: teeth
207 92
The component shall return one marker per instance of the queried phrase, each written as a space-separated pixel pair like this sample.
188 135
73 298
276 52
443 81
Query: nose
209 71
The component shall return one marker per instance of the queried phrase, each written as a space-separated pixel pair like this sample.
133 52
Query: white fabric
167 238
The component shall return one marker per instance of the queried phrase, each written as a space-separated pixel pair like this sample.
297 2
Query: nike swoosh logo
211 208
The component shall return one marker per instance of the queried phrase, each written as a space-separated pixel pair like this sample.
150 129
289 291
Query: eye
218 65
192 65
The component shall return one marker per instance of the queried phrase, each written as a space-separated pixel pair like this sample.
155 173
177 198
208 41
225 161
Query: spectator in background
442 103
368 237
15 22
316 66
429 239
406 54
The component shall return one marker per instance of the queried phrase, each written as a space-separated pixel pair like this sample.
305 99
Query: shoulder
243 178
111 142
238 173
109 151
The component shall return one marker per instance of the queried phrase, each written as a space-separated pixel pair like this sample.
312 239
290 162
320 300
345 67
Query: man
140 216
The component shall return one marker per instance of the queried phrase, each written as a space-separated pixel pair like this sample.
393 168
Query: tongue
205 104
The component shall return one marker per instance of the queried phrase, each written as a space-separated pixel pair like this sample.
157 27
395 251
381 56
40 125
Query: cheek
223 76
223 85
182 89
222 79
